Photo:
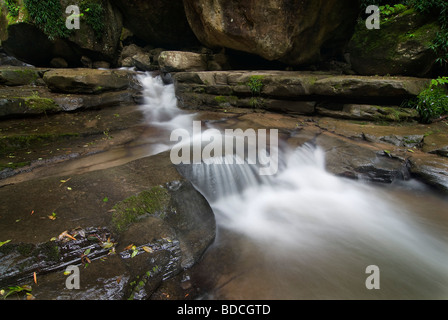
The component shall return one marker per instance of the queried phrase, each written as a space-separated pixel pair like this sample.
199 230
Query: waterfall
307 217
160 104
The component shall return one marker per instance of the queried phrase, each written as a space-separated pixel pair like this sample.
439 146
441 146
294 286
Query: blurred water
311 235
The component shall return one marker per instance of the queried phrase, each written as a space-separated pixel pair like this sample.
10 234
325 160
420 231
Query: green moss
149 202
17 142
18 76
395 114
42 105
28 73
15 165
225 100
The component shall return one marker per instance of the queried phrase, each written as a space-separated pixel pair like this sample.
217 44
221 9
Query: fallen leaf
4 242
148 249
64 181
107 244
85 259
29 296
129 247
65 234
35 277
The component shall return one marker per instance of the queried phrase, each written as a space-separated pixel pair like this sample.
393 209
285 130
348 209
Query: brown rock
292 31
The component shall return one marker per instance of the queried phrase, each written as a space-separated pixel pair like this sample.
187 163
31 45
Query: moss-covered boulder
400 47
174 212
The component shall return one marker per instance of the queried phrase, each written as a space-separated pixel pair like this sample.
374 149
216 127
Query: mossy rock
150 202
16 142
20 103
18 76
400 47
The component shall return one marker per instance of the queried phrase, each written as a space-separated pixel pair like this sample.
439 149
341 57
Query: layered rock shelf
302 93
35 91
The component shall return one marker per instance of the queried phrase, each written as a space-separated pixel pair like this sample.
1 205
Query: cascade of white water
160 104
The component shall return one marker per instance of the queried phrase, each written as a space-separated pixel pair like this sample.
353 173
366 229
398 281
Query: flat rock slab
88 80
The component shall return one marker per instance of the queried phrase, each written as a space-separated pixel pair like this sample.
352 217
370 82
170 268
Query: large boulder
400 47
22 37
294 32
157 22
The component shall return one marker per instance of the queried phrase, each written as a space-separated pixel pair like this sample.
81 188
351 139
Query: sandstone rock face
400 47
159 23
292 31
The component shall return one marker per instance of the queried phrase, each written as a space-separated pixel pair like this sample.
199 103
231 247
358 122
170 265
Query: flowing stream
305 233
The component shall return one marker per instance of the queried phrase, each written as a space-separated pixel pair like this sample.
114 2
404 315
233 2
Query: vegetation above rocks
437 8
13 8
47 16
432 103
